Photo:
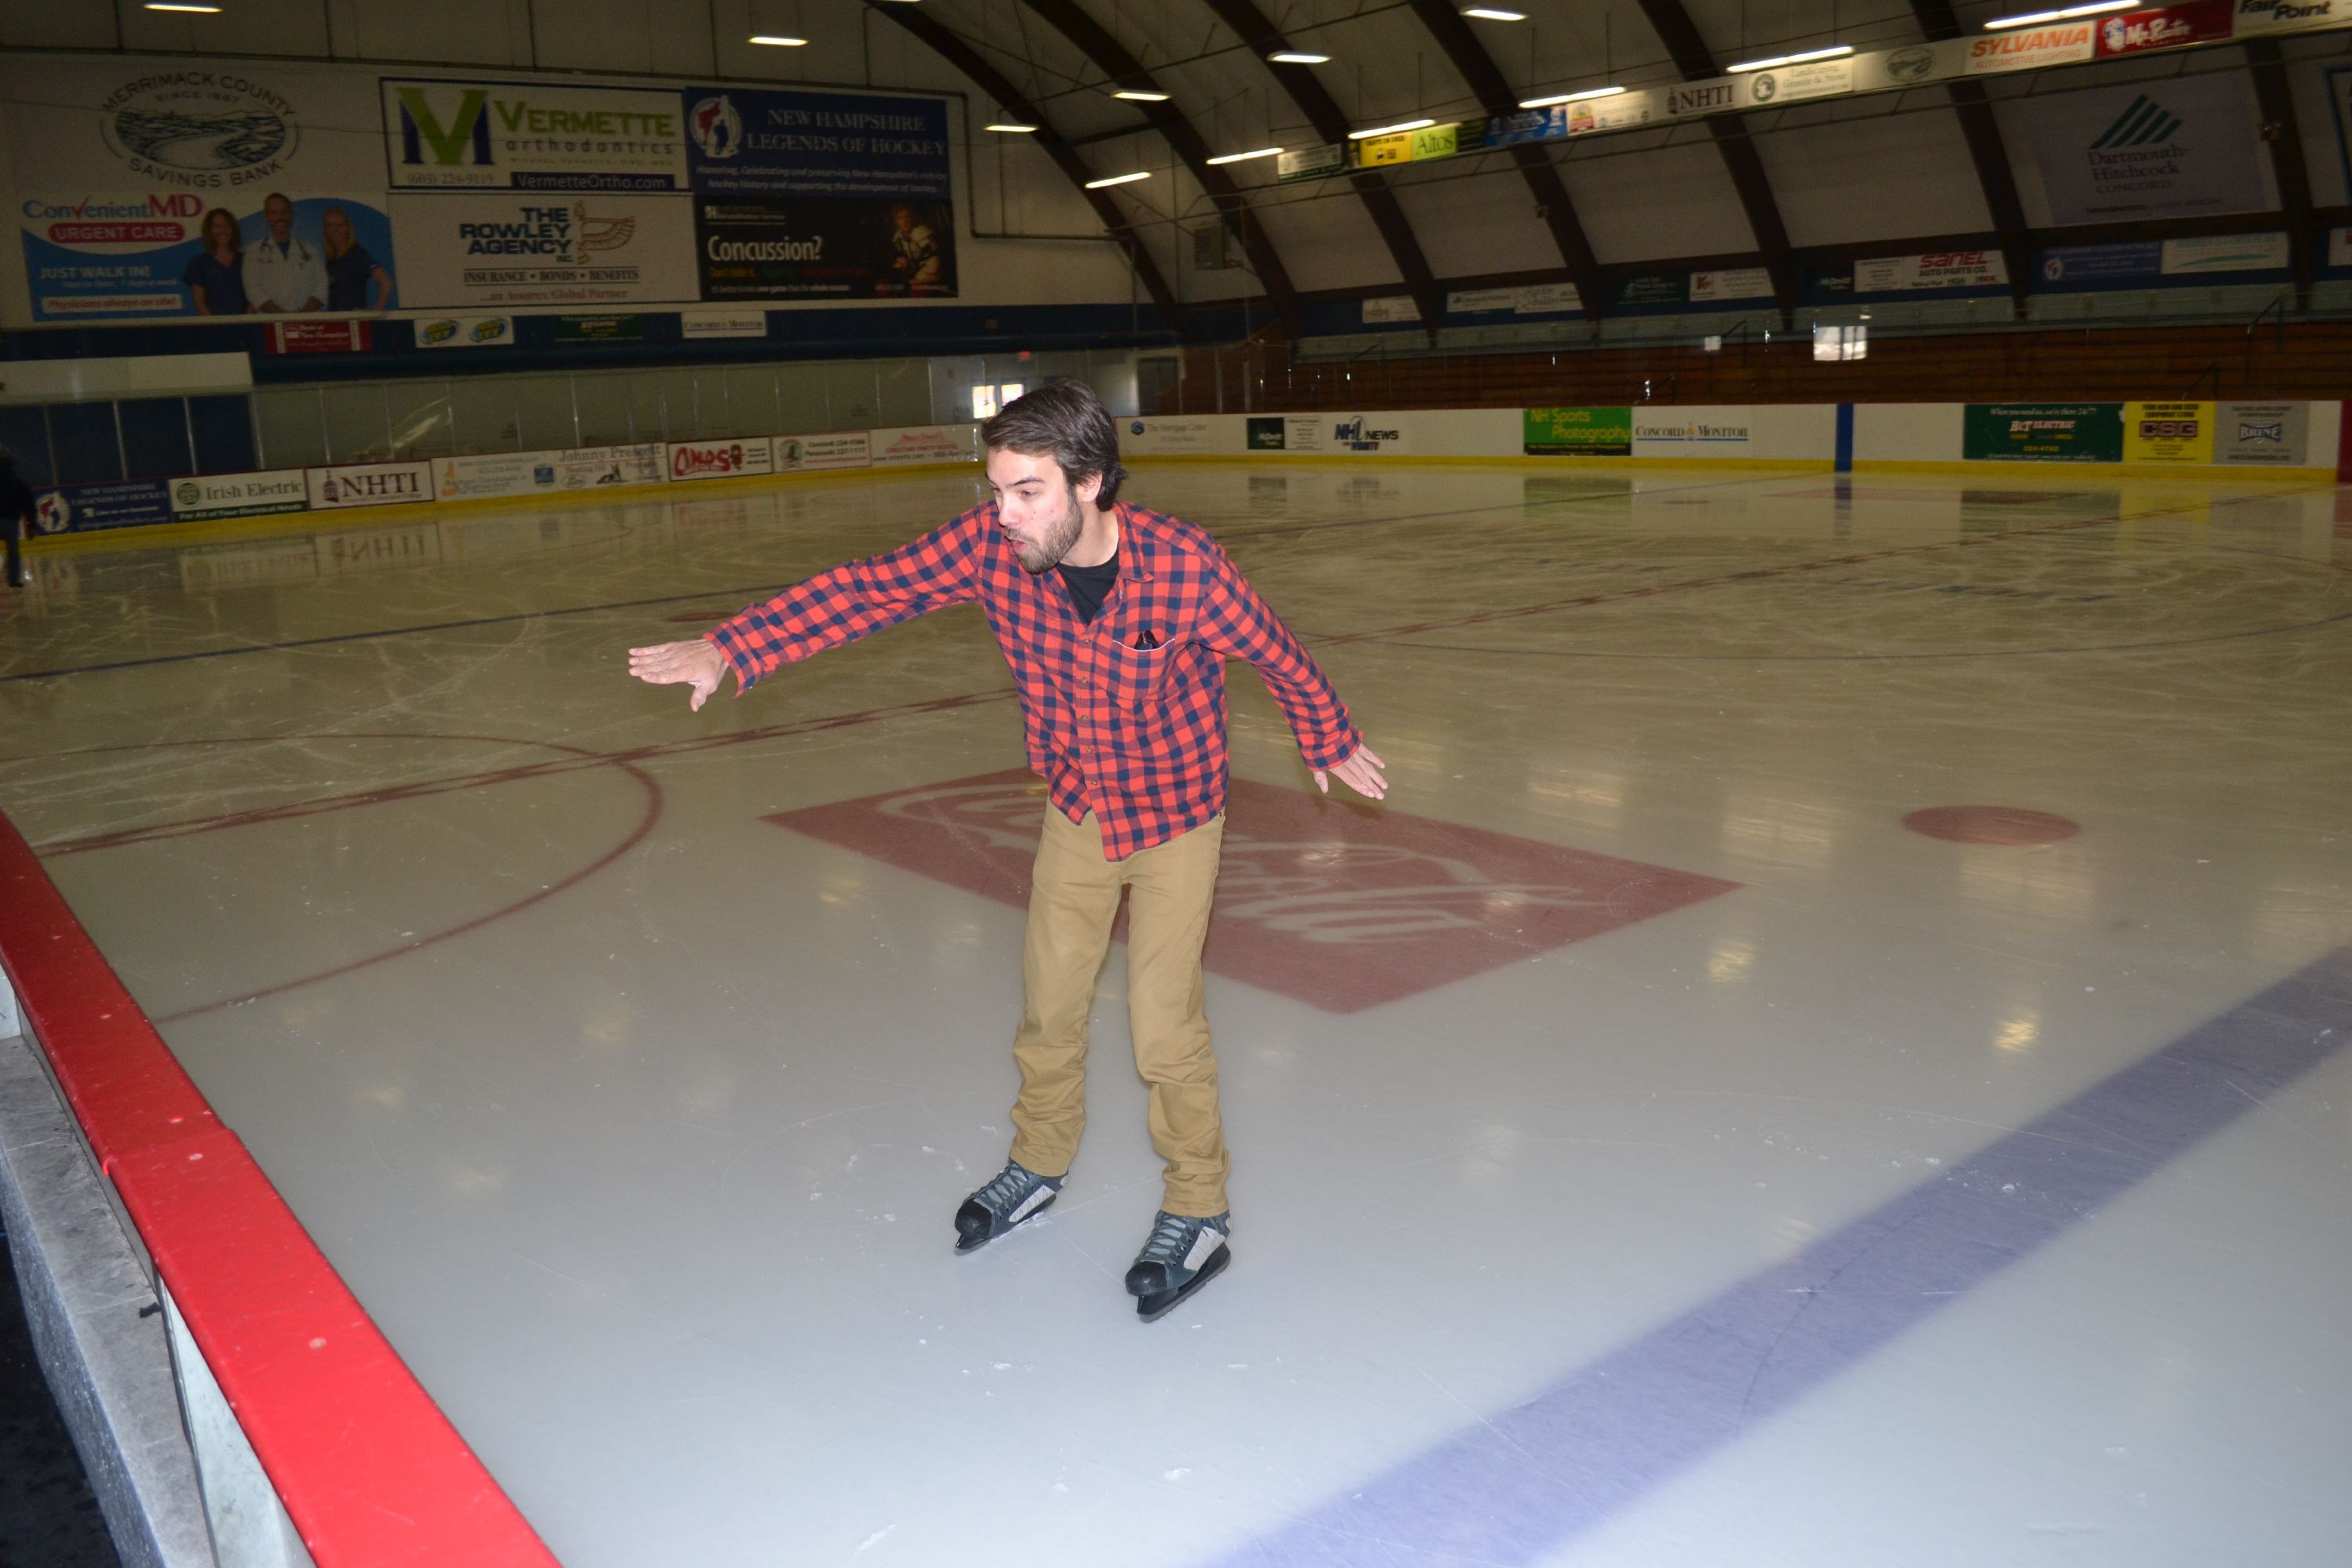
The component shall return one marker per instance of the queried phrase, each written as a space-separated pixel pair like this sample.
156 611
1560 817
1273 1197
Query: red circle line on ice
2010 825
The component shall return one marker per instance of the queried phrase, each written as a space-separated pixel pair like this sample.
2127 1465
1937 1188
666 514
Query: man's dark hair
1064 419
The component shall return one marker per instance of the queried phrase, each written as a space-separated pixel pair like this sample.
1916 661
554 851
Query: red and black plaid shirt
1135 735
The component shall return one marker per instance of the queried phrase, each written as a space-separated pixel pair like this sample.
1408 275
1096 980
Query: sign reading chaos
816 194
530 136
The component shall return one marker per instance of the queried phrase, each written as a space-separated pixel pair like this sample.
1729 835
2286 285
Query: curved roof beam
992 82
1485 79
2276 100
1306 91
1110 58
1675 29
1986 152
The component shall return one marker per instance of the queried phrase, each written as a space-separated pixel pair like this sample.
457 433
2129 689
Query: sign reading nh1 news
239 495
441 135
368 484
719 459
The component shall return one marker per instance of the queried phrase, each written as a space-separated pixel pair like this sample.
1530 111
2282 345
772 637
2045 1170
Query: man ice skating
1116 622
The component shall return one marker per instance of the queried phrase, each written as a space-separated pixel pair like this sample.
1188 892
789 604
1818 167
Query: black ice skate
1015 1194
1182 1255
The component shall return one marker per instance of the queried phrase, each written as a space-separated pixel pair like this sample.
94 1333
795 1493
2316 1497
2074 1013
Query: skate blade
963 1246
1153 1308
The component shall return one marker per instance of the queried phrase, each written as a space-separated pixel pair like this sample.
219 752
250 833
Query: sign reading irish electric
528 136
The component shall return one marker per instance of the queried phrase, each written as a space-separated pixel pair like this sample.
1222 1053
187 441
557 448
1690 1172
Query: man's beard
1047 553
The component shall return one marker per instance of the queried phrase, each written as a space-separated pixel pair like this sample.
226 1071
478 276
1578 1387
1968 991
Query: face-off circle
2006 826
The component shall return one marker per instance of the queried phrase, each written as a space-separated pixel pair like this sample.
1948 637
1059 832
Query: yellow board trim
2027 468
213 530
1329 459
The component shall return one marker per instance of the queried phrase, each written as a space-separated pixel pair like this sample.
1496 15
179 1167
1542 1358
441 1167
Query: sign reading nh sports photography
2168 432
1691 432
2043 432
825 449
1577 431
720 459
2179 147
1732 283
927 444
369 484
1955 269
441 134
85 508
465 332
465 250
2261 435
239 495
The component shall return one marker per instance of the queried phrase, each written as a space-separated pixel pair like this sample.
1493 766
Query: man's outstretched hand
698 664
1360 773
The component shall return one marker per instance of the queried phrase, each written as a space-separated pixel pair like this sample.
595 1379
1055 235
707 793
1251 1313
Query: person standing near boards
1116 622
17 503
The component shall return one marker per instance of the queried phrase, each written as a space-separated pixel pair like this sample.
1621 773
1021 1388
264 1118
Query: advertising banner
2043 432
1153 437
1265 432
774 247
2339 240
1374 152
2290 16
306 336
444 134
537 473
1693 432
85 508
1550 124
1577 431
2181 147
1711 97
825 449
1651 290
600 329
694 324
2028 48
720 459
470 251
189 253
927 444
1312 163
239 495
1616 112
1388 310
465 332
2262 435
1954 269
1733 283
2168 432
2229 253
2097 263
1815 78
368 484
2165 27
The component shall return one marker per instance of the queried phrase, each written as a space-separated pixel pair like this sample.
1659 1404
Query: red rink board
1339 906
370 1470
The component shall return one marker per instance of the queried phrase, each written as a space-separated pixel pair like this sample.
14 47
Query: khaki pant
1073 899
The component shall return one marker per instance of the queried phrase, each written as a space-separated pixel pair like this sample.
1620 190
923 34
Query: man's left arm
1238 624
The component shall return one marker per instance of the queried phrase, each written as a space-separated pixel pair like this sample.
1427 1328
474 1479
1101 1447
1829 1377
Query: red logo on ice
1338 907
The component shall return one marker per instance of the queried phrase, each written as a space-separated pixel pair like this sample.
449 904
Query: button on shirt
1134 733
288 276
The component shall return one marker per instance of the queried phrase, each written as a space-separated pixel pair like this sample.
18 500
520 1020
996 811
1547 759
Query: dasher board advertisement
369 484
448 135
239 495
720 459
470 251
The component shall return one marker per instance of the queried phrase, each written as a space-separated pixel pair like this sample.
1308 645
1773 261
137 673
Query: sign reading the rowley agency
461 251
441 135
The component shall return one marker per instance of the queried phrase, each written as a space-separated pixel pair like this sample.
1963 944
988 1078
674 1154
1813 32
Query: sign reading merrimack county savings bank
528 136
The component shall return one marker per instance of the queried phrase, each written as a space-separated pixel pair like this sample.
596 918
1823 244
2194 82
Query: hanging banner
1390 309
2229 253
239 495
2180 147
465 332
444 134
2030 48
1655 289
187 253
2261 435
2043 432
2165 27
1312 163
299 336
2075 264
471 250
926 443
2290 16
1577 431
1942 270
1794 84
2168 432
772 248
1733 283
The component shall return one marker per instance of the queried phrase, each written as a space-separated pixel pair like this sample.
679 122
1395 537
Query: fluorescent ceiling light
1777 61
194 10
2035 18
1011 128
1485 14
1143 97
1390 129
1245 157
1569 96
779 42
1118 179
1295 58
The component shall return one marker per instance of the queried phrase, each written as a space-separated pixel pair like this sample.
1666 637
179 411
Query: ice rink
1829 1055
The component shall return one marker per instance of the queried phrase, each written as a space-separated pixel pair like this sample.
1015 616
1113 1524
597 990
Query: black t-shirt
1089 585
